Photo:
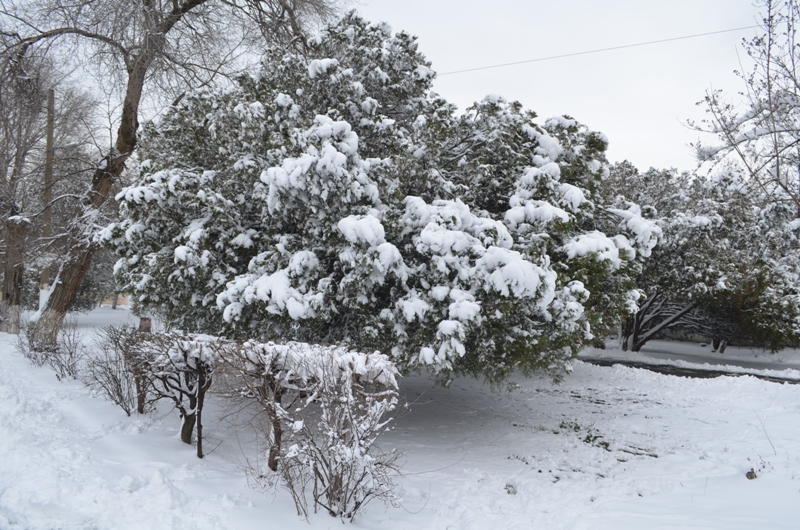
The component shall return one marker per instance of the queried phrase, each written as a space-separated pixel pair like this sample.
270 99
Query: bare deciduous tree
764 138
22 90
30 79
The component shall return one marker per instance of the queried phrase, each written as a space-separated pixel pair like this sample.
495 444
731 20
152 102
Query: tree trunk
203 384
145 325
11 296
187 427
141 389
62 294
65 289
643 338
625 332
189 416
139 377
277 431
200 426
651 318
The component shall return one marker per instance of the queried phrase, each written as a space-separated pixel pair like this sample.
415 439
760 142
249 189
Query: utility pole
47 215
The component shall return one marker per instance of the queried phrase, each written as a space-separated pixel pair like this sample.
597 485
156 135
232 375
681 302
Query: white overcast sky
639 97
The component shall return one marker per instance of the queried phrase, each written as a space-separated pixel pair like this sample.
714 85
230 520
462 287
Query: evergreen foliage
727 257
334 198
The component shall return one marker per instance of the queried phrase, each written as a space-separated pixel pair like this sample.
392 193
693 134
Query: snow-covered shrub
334 198
136 369
67 360
325 408
180 368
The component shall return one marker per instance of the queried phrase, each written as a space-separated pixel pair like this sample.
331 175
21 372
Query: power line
597 51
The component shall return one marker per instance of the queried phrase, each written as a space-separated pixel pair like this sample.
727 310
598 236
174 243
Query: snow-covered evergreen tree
334 198
727 265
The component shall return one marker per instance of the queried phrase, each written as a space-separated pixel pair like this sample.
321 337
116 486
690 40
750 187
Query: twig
423 506
435 470
765 433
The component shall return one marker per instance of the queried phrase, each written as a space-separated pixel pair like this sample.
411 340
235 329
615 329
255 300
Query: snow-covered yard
615 448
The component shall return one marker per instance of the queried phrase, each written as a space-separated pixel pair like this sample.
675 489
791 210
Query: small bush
23 345
180 368
65 359
135 369
69 354
112 372
325 408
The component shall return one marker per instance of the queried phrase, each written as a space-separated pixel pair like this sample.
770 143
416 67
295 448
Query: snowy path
609 448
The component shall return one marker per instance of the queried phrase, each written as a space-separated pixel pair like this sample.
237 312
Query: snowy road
697 360
710 358
688 370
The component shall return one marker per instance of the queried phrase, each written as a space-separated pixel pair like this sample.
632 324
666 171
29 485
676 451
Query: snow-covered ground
608 448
